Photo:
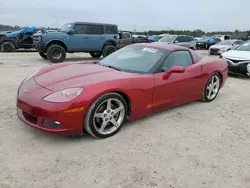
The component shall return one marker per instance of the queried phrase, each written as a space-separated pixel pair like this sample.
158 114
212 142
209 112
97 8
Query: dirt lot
197 145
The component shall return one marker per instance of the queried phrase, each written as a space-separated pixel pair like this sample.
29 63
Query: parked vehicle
125 38
239 59
140 39
224 46
206 42
9 42
181 40
97 39
153 38
130 83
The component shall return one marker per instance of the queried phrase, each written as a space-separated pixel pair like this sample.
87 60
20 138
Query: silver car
181 40
224 46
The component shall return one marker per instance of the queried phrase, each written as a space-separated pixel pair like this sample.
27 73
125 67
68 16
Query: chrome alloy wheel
109 116
213 87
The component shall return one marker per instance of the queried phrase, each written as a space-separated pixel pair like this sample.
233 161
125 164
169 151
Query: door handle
86 37
102 38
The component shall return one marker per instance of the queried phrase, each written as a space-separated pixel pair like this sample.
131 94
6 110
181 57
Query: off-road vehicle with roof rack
97 39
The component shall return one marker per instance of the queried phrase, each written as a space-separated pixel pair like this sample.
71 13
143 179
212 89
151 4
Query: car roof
94 23
161 45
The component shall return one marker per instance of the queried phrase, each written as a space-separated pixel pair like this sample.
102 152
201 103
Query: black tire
204 93
191 48
8 47
89 117
56 50
108 49
43 55
95 54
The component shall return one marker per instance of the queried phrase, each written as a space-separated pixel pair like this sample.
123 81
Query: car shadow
128 124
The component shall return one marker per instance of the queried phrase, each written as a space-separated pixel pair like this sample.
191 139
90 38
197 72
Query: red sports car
132 82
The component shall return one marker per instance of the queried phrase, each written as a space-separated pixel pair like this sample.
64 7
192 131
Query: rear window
111 29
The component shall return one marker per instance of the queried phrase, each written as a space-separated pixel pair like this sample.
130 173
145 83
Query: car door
179 88
78 41
94 37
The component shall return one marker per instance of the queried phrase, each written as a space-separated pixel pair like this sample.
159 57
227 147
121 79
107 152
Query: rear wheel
8 47
95 54
43 55
108 49
212 88
106 115
56 53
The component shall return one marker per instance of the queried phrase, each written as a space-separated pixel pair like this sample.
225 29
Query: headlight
65 95
30 76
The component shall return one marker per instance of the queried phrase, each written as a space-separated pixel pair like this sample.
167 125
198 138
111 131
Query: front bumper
216 51
46 116
241 67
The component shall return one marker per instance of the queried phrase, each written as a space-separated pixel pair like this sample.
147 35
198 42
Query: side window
126 36
80 29
180 39
94 29
111 29
189 39
88 29
217 40
177 58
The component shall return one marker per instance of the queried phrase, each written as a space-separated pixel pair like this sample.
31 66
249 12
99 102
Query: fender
110 41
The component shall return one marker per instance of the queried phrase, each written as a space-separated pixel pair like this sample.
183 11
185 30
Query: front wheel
95 54
106 115
212 88
43 55
56 53
108 49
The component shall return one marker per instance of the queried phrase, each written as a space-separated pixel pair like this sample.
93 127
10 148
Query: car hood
52 34
218 46
77 75
237 55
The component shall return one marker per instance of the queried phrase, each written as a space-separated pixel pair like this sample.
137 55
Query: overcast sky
208 15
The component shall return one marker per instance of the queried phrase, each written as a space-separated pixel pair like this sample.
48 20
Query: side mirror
174 69
176 41
71 32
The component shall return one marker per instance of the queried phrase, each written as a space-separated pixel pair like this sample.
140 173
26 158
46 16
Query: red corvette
132 82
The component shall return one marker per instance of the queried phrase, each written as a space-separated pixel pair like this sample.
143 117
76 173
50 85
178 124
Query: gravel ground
199 145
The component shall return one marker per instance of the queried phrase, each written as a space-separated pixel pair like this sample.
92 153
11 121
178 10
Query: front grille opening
52 124
30 118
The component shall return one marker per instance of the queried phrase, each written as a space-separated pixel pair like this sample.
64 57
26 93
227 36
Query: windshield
167 38
226 42
134 58
66 27
244 47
